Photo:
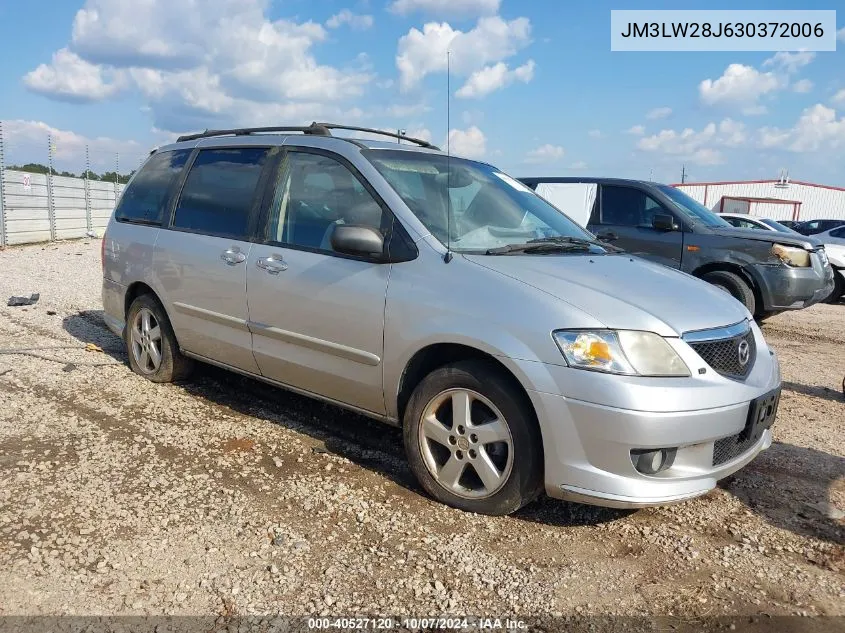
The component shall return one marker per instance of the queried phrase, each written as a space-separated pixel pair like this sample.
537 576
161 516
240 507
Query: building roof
756 182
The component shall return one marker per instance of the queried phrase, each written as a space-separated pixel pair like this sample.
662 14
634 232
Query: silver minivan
517 353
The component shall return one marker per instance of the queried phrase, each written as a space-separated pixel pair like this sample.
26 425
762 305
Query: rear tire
735 286
838 287
151 344
488 460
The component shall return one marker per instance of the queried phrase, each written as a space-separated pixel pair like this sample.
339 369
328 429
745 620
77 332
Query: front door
625 220
317 316
201 257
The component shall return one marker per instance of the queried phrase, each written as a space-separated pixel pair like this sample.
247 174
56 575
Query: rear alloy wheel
471 442
151 343
735 286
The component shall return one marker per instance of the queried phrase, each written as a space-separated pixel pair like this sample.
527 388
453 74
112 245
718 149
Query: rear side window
838 232
150 192
219 191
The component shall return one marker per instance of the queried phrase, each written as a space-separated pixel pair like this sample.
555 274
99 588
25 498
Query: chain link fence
62 195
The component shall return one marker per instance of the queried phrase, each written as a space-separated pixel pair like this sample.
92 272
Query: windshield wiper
565 239
541 246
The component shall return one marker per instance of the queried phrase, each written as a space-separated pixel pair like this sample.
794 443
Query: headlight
791 255
620 352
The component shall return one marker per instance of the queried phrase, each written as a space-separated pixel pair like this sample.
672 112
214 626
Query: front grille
726 355
728 448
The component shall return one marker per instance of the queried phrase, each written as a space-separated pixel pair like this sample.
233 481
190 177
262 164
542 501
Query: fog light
652 461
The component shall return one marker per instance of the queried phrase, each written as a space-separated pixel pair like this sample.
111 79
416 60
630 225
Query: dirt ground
225 496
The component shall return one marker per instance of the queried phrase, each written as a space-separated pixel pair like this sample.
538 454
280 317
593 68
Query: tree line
108 176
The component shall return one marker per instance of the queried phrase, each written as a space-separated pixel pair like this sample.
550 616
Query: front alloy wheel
472 438
466 443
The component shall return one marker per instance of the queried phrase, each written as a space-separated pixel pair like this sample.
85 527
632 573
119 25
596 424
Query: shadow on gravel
790 487
825 393
565 514
88 327
366 442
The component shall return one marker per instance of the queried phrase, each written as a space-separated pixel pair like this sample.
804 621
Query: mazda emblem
744 353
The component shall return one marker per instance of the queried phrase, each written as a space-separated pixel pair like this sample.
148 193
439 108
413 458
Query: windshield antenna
448 256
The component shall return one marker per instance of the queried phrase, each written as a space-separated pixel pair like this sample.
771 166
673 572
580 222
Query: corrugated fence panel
27 219
27 216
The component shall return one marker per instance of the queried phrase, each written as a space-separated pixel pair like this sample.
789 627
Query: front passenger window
314 194
626 206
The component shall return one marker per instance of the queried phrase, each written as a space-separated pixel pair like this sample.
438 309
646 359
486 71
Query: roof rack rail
315 129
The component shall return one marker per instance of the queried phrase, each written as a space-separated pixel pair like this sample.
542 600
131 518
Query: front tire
735 286
472 440
151 344
838 287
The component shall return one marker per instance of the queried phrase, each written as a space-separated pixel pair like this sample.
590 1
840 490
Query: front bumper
786 288
587 445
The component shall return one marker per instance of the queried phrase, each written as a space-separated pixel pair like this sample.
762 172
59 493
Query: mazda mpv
438 294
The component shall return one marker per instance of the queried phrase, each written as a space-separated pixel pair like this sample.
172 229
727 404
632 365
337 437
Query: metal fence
42 207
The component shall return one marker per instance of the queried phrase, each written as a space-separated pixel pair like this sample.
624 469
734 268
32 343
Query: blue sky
535 87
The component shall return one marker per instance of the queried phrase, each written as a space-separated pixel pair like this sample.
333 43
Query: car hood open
623 292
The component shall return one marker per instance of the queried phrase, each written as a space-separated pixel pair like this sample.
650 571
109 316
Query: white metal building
776 199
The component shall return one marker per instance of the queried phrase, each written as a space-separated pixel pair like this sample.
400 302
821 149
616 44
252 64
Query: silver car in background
442 296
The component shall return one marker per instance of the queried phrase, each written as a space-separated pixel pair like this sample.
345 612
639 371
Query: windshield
489 209
696 212
777 226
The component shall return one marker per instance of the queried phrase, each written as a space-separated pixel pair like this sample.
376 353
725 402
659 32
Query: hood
623 292
760 235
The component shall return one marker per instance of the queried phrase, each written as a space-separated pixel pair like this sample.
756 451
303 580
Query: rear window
151 190
219 191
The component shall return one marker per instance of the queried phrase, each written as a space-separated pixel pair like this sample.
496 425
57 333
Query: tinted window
838 232
149 193
313 194
219 191
627 206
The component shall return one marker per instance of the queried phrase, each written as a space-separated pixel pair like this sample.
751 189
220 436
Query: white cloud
491 78
659 113
636 130
817 129
545 154
30 141
802 86
579 164
789 62
740 87
469 143
595 134
227 64
71 78
354 20
421 53
701 147
446 7
424 134
839 98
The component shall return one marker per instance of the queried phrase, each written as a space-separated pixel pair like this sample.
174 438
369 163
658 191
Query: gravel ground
226 496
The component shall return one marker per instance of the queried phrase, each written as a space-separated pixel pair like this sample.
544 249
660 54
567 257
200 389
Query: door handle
607 236
274 264
233 256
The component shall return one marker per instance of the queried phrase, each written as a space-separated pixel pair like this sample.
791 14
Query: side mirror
664 222
363 241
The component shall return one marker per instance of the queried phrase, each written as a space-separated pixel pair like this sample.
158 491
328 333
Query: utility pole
399 134
683 174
